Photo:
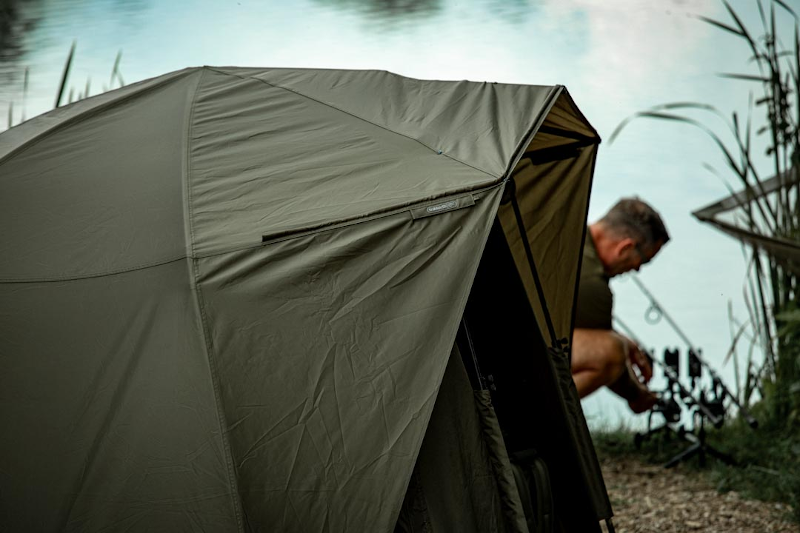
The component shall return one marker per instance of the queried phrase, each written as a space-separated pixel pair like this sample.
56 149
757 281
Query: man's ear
625 245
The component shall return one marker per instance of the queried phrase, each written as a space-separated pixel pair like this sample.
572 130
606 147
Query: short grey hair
634 218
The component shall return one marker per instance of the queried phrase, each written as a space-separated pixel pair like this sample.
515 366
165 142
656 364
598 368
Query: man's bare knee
599 349
616 363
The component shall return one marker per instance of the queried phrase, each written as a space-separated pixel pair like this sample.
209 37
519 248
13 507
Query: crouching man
627 237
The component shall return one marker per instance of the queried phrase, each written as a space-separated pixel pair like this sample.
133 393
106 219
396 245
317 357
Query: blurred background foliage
768 459
771 334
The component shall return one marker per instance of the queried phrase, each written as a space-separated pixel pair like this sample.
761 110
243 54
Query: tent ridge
82 116
298 93
579 113
186 178
100 274
207 343
526 139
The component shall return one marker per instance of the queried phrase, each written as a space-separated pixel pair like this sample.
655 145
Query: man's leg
598 359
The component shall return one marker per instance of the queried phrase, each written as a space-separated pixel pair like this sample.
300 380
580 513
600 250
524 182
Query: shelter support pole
480 380
510 194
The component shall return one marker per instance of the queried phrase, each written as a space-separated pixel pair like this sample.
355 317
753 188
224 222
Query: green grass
768 459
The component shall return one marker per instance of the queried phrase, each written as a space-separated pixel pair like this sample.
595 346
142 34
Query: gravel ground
651 499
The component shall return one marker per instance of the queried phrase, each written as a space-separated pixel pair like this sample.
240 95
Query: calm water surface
615 58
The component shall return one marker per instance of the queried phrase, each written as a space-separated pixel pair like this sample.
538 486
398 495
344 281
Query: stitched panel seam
238 507
298 93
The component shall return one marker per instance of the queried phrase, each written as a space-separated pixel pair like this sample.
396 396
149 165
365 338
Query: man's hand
644 402
639 372
604 357
629 386
639 361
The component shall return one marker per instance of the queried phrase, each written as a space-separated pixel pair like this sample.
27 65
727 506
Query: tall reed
64 88
772 284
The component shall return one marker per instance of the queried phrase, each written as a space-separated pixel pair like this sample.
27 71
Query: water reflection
35 36
17 18
392 14
387 10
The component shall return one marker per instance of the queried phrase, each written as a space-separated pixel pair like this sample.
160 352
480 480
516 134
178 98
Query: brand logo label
445 206
452 204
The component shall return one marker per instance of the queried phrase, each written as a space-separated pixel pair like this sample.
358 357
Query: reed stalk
772 287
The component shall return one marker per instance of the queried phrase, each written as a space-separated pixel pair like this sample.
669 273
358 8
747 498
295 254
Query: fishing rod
686 395
655 307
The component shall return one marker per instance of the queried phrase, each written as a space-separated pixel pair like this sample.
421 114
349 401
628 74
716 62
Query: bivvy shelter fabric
229 298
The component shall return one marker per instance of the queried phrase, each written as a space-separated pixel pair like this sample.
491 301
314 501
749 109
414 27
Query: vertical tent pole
471 347
511 193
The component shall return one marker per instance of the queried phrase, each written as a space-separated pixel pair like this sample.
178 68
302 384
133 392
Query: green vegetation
73 95
769 457
762 215
768 460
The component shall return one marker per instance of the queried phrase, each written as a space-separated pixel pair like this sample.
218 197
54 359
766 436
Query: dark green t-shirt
595 300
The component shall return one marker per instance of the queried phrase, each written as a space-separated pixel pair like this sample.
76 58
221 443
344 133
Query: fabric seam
238 507
77 119
526 140
298 93
54 279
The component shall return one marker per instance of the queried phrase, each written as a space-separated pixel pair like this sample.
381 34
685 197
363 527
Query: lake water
615 58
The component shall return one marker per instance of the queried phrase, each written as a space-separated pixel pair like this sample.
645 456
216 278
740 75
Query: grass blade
794 65
742 27
740 172
115 73
65 75
733 351
687 105
797 107
725 184
24 92
786 7
734 342
749 127
722 26
743 30
667 106
619 129
747 77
